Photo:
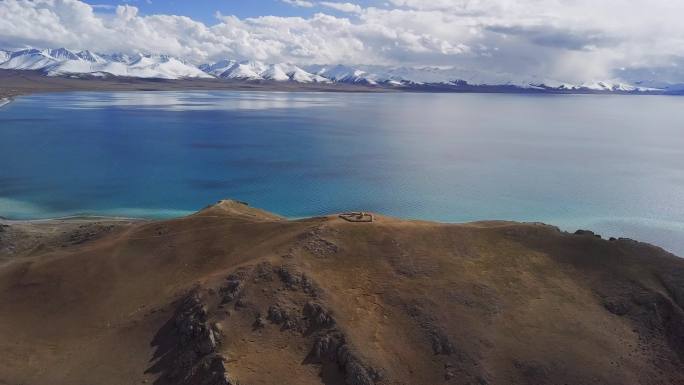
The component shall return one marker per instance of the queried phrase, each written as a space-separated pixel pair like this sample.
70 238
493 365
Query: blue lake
613 164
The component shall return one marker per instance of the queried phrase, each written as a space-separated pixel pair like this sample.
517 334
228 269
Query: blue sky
205 10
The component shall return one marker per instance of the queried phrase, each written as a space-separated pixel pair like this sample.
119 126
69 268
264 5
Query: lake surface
613 164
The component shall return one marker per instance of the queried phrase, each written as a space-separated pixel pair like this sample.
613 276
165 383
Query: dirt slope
237 295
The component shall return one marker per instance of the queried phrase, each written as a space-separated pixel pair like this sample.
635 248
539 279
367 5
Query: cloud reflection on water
197 101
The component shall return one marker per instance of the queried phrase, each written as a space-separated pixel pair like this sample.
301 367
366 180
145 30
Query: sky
205 10
562 40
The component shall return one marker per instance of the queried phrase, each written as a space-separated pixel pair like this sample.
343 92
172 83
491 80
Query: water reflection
199 101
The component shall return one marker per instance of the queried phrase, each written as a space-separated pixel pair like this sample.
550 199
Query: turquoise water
614 164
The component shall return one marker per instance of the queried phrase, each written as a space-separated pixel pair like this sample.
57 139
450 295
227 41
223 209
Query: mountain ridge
62 62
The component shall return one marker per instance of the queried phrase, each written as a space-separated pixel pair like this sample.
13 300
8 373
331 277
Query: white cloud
299 3
343 7
568 40
103 6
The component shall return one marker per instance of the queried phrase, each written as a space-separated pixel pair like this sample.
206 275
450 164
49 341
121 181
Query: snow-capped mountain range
64 62
255 70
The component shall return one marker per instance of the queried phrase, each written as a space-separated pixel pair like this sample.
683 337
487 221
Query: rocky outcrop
660 316
296 307
332 347
301 312
439 340
87 232
674 283
296 280
657 316
277 315
231 290
197 360
587 233
315 243
317 317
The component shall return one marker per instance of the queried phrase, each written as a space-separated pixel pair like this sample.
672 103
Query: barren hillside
235 295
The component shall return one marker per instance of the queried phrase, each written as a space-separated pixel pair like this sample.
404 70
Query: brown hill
235 295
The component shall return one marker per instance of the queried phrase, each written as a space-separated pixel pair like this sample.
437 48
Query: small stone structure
357 217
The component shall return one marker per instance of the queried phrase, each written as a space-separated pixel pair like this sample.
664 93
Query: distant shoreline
76 218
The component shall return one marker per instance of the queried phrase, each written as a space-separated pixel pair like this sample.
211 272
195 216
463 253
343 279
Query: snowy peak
276 73
28 59
63 62
61 54
117 58
291 72
242 71
600 86
91 57
217 68
4 55
345 74
609 86
252 70
299 75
